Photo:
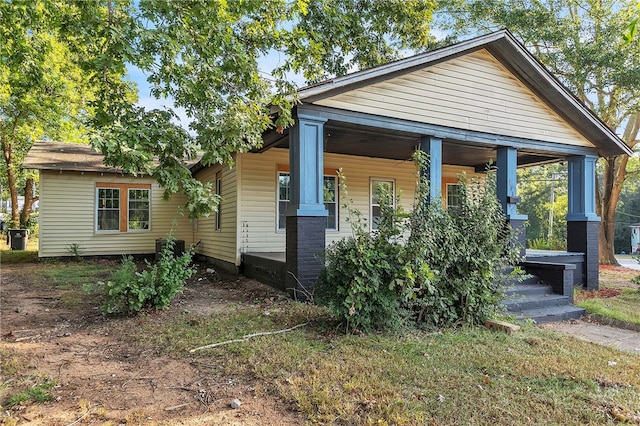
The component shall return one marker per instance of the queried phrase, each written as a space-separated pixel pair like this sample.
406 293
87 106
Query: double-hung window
123 207
454 197
330 193
377 187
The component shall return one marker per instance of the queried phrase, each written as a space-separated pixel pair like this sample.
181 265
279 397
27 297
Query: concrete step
552 314
528 290
521 302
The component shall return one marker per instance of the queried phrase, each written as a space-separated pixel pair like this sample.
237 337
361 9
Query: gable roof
503 46
59 156
47 155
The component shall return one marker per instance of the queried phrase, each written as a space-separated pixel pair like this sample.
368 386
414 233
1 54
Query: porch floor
531 254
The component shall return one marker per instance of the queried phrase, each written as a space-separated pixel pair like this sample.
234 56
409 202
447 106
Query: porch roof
369 133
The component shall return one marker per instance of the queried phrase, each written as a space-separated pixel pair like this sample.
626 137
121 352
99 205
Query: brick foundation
305 254
582 236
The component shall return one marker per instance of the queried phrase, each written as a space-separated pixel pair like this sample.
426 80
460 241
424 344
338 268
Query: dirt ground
104 380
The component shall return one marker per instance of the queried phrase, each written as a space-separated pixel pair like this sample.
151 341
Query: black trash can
19 238
178 248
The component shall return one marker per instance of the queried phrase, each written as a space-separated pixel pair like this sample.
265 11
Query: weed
129 291
36 393
76 251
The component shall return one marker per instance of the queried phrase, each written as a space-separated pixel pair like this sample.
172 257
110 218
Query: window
330 193
377 185
108 209
454 197
138 209
331 201
284 191
123 207
219 194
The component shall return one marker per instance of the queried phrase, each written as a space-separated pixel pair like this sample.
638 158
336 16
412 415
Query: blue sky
266 63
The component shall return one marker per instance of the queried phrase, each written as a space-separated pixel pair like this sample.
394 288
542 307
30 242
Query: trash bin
19 238
178 247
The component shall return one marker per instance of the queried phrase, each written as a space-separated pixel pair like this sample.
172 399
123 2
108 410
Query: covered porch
483 102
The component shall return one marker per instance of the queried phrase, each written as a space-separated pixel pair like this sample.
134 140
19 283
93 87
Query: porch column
433 148
583 224
506 187
306 215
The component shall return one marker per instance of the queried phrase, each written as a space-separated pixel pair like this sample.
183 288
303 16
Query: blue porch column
433 148
583 224
306 216
506 188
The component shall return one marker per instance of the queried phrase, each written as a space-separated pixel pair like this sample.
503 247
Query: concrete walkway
619 338
629 263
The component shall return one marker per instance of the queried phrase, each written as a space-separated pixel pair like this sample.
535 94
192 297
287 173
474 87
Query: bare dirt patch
101 377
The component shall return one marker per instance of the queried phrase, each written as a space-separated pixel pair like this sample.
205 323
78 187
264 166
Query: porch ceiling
353 139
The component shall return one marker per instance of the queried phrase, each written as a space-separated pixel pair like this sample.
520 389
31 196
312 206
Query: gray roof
513 55
46 155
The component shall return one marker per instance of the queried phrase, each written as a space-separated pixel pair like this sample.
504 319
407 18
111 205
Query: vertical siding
494 101
221 243
67 216
259 185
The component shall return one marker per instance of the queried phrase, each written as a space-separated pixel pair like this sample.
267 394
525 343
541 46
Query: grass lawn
469 376
618 298
465 376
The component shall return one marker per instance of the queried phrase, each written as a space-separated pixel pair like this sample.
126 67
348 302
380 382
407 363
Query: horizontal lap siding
220 244
258 197
472 92
67 216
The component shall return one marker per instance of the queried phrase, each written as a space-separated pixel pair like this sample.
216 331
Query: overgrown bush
434 267
362 282
129 291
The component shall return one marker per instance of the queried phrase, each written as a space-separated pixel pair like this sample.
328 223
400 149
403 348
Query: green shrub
362 283
432 267
129 291
456 257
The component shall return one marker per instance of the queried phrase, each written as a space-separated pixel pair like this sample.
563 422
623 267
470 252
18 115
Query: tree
43 94
205 56
581 43
544 200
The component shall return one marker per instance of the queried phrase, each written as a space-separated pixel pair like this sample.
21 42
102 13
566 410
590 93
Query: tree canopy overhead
582 42
203 55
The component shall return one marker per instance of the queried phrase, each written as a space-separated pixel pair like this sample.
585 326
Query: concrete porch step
552 314
522 302
533 289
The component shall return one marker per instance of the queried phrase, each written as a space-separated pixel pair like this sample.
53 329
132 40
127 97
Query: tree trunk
29 200
613 176
13 192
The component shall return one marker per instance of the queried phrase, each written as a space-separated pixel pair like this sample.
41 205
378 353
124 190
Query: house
635 238
479 101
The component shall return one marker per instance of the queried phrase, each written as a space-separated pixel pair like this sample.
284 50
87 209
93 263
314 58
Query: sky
147 101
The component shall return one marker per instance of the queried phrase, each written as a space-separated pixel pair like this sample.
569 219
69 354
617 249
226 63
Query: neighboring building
635 238
480 101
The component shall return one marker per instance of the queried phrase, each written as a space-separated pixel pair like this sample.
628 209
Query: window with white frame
330 193
454 196
108 209
377 186
138 209
123 207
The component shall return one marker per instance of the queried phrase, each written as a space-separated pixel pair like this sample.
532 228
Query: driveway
628 263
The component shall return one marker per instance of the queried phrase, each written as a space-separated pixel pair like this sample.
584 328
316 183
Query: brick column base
582 236
521 235
305 254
